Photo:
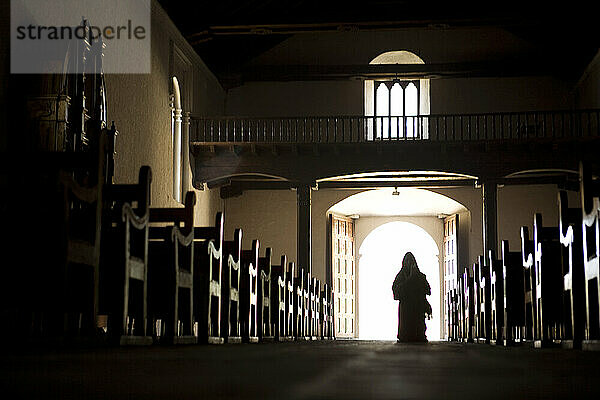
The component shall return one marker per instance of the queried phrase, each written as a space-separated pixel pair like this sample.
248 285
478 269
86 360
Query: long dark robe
411 288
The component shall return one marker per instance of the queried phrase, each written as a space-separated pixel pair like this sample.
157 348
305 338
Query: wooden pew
123 307
469 306
331 304
278 299
571 238
454 314
450 307
264 310
311 309
476 282
496 299
447 306
248 293
459 308
290 302
484 297
299 304
67 293
527 259
549 283
590 206
230 289
208 266
475 299
513 294
306 305
464 287
455 311
326 329
52 203
316 309
171 273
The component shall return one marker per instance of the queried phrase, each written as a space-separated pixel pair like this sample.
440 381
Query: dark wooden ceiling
228 34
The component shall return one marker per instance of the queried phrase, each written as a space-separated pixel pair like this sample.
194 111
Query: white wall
269 216
139 105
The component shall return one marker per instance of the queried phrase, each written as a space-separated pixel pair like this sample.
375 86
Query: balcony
360 129
311 149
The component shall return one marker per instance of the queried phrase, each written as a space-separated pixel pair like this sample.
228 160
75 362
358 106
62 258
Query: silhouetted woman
410 287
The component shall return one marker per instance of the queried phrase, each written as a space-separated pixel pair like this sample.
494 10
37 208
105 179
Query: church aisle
318 370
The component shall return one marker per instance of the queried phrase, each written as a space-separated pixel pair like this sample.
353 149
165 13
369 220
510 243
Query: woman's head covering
407 274
409 263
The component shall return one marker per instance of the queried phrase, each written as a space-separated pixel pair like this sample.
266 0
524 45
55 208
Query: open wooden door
343 275
450 264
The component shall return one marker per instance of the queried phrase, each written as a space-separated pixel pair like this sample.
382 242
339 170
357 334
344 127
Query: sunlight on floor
380 259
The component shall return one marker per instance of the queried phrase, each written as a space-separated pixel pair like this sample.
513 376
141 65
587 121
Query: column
177 127
489 191
304 250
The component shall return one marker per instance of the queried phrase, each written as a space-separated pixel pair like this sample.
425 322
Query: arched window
397 105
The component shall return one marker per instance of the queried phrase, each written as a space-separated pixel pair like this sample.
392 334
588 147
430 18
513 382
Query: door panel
450 261
343 275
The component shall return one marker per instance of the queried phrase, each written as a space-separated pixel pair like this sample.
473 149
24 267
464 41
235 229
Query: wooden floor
317 370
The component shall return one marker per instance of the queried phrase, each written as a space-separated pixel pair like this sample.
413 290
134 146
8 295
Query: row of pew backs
155 276
546 294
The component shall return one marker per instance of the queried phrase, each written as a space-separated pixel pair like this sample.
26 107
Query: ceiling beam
234 188
562 181
396 184
276 73
237 188
351 26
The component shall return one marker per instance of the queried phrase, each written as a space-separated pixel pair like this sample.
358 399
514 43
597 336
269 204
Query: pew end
513 295
278 299
264 310
496 299
248 293
573 272
230 289
171 273
125 253
208 266
549 283
590 205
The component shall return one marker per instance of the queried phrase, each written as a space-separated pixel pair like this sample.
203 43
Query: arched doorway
426 211
380 258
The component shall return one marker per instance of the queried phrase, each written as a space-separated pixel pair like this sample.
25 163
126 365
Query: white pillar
177 114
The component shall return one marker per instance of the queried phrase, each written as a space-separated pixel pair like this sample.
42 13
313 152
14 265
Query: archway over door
380 258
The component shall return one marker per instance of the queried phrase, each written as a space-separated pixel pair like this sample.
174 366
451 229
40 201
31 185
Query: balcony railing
360 129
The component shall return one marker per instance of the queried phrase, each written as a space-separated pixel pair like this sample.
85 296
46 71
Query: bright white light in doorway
380 260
